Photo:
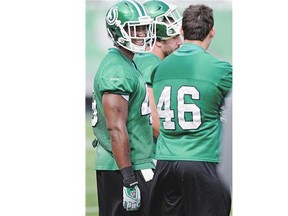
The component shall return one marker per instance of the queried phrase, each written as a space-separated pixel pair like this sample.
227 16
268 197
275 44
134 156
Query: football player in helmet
122 22
168 24
121 115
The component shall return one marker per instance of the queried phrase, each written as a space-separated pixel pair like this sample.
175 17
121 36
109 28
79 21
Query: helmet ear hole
113 32
117 23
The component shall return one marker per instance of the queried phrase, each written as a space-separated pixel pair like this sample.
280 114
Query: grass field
91 194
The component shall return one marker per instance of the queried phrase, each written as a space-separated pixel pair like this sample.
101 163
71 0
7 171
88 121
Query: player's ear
158 43
181 31
212 32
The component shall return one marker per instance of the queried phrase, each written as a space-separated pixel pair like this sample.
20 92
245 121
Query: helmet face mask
138 35
166 18
125 22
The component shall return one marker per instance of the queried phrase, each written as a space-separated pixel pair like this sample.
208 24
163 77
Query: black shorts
186 188
110 194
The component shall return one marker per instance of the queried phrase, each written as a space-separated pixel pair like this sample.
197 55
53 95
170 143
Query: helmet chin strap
137 48
128 45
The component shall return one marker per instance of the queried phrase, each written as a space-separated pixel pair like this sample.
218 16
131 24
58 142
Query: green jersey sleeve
116 80
225 83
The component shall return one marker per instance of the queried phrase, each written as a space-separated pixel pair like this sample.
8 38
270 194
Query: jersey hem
173 158
135 167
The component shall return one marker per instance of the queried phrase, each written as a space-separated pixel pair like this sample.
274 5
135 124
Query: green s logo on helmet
112 16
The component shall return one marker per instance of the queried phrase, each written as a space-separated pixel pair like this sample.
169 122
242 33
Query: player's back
189 88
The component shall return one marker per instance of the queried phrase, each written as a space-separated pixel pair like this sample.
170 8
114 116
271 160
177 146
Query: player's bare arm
154 113
116 111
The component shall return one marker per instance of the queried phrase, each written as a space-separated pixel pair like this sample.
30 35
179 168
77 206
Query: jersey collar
190 47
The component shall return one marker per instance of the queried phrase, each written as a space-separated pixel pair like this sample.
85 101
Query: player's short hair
197 22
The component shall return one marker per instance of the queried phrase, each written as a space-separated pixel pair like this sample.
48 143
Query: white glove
131 198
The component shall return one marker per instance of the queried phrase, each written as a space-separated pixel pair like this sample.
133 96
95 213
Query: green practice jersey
146 63
118 75
189 88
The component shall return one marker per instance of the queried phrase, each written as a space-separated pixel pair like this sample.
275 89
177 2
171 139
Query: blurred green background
97 44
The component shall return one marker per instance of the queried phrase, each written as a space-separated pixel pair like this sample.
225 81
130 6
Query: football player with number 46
121 115
190 86
168 24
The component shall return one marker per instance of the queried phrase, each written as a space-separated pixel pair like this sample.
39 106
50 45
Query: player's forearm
120 147
116 111
155 126
154 114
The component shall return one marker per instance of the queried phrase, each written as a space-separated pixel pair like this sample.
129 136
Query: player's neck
127 53
158 51
204 44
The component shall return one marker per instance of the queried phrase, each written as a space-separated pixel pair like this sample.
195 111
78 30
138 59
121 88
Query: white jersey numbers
145 108
94 113
192 108
165 111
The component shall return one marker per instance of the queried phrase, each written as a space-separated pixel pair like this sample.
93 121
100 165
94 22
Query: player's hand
131 198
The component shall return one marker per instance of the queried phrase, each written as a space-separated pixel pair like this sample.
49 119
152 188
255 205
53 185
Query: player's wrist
129 179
